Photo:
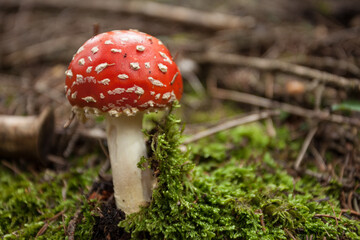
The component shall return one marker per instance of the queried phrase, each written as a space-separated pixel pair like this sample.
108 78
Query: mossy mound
236 191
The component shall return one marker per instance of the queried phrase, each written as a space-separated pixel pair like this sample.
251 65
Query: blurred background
235 57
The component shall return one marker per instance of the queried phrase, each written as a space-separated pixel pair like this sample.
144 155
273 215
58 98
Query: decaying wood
215 21
289 108
278 66
28 137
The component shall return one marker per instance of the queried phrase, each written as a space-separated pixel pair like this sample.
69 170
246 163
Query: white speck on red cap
115 50
88 70
89 99
73 95
135 65
102 66
79 79
140 48
123 76
81 62
155 82
69 73
116 91
166 58
163 68
105 81
94 49
166 95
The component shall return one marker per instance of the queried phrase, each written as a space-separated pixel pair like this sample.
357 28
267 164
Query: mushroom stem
132 186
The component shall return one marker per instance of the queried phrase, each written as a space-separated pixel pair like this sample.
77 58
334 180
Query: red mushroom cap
122 72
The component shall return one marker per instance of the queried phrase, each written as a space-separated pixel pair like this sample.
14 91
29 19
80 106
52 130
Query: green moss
28 203
236 186
237 190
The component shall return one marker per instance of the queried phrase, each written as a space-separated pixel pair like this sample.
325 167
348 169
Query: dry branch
325 62
304 147
215 21
230 124
292 109
70 231
278 66
49 47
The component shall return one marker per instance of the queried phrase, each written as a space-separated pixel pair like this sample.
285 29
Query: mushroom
122 75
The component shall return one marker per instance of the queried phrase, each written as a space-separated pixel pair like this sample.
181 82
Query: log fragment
26 137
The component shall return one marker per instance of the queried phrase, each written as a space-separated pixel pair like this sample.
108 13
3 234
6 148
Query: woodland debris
278 66
292 109
305 146
26 136
210 20
230 124
325 62
49 47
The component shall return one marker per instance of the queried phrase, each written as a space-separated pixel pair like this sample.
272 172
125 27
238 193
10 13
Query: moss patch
45 202
236 191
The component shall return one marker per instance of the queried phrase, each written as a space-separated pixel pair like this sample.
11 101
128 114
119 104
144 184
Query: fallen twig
349 202
215 21
304 147
343 167
280 66
12 167
290 234
318 158
48 47
328 216
69 121
292 109
262 221
230 124
332 208
47 222
350 211
325 62
72 224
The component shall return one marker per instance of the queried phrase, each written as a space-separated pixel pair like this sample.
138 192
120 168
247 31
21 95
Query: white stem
132 186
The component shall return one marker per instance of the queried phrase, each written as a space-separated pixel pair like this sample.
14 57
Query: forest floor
265 144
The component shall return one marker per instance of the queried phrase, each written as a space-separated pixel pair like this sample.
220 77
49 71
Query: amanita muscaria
121 75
